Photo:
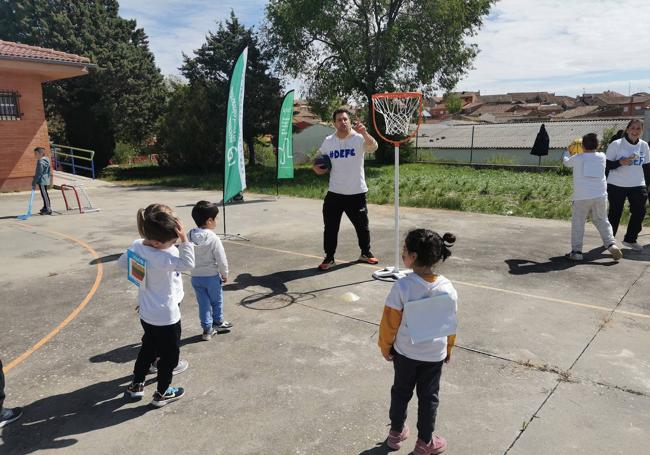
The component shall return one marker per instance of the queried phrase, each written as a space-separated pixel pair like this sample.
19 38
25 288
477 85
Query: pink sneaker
395 439
435 446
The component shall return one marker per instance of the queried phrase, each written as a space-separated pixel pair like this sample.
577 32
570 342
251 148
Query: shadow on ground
558 263
380 449
105 259
278 296
51 422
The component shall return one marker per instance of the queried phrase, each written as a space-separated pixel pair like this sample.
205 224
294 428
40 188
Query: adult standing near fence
628 162
6 415
345 152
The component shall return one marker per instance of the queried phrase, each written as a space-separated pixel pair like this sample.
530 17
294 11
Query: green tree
186 135
453 102
210 68
355 49
121 99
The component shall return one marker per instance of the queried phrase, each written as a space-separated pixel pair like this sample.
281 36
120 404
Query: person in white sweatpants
589 197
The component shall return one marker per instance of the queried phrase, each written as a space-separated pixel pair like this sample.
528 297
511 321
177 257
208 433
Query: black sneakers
8 415
135 390
222 327
171 394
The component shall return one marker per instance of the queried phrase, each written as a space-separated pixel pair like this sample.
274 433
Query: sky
567 47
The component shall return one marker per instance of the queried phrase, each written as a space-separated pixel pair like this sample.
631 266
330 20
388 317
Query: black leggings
424 377
638 197
2 386
158 341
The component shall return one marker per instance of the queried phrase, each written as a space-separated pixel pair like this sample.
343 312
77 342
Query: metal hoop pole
396 202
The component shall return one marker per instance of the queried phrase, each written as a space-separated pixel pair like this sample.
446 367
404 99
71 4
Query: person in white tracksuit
589 197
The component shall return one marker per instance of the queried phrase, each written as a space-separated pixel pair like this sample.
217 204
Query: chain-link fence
505 143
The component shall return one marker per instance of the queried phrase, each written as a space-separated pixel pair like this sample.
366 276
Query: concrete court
553 356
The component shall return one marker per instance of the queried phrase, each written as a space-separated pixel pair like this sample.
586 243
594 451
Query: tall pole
396 202
277 170
223 199
471 147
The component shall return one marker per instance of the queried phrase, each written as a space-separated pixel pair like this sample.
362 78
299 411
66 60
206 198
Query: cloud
552 45
175 27
562 46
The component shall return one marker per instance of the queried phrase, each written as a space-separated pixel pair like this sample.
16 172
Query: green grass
497 191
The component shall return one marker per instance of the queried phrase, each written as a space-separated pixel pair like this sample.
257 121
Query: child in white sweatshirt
210 271
589 197
160 291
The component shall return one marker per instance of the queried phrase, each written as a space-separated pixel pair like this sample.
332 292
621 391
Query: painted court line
464 283
98 278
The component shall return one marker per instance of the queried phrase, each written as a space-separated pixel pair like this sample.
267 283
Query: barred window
9 108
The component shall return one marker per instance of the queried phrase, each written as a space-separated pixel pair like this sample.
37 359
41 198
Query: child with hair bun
417 333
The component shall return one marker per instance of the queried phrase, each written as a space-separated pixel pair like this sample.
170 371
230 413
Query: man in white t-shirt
347 190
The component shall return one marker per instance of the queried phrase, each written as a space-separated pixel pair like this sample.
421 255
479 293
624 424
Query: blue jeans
210 298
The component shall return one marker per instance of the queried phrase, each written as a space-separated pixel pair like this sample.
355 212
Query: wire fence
504 144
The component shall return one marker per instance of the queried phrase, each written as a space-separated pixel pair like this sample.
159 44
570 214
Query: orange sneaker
368 258
327 263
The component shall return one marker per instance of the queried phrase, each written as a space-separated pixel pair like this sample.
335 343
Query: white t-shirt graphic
347 175
632 175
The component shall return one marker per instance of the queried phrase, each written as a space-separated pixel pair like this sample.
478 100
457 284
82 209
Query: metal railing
72 158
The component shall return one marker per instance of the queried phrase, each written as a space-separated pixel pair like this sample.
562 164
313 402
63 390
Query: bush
264 154
124 153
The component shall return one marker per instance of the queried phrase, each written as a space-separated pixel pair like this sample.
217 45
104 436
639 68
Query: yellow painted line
98 278
464 283
551 299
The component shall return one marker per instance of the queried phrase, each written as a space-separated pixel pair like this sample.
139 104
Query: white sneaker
180 367
615 252
207 334
633 245
574 255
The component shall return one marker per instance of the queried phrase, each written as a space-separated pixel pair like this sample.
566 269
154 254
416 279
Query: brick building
22 116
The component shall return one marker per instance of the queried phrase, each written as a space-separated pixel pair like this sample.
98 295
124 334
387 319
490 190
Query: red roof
25 52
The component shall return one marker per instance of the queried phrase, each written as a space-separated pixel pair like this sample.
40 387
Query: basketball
575 147
323 162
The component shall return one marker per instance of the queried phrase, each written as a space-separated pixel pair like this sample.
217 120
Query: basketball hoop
400 111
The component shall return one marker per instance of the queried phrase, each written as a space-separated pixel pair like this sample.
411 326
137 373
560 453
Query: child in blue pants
210 271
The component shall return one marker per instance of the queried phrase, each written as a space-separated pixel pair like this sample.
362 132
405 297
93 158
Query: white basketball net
397 112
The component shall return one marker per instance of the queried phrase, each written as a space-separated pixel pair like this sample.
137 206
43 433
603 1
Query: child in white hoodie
210 270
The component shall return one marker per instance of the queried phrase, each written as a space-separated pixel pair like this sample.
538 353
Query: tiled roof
577 112
25 52
495 98
493 109
511 135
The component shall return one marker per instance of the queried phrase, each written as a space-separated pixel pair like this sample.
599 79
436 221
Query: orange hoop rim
397 95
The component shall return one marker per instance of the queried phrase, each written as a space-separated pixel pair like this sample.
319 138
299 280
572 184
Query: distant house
22 116
307 141
303 117
577 112
436 108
